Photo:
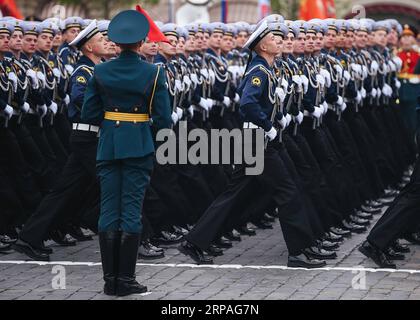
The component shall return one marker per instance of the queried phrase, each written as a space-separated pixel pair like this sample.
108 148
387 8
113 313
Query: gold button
116 109
135 121
117 123
136 109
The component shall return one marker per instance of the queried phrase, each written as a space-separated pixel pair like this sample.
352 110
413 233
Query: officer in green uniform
124 97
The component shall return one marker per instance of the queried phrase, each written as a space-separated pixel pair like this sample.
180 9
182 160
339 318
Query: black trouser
55 143
279 185
64 201
402 216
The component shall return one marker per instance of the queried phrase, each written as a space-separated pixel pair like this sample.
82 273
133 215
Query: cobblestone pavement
253 269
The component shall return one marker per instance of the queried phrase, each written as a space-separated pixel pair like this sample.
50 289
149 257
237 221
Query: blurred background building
406 11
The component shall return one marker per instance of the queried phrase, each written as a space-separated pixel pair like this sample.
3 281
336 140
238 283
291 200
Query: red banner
321 9
155 35
9 8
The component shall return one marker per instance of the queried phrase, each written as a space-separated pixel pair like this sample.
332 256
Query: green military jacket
128 85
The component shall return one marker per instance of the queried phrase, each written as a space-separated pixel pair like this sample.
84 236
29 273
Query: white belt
250 125
85 127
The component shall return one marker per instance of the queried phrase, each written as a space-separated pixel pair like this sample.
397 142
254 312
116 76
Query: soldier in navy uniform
69 55
65 202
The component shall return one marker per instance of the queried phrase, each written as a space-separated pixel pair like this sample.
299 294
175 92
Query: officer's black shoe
304 261
180 230
319 253
126 278
334 238
376 255
359 221
194 252
392 255
364 215
167 238
247 230
370 209
223 242
261 224
77 233
353 227
269 218
233 235
109 243
340 232
375 204
5 248
398 247
327 245
413 238
153 247
44 249
30 251
386 201
62 239
214 251
7 239
148 253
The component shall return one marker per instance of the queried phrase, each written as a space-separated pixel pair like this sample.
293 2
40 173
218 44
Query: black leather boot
126 279
109 243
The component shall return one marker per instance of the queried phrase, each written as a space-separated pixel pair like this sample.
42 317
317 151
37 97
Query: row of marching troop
325 92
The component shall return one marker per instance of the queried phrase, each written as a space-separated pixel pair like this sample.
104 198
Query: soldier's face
371 39
330 39
169 49
270 45
58 39
29 44
190 44
310 42
206 37
288 43
407 42
319 42
215 40
71 33
393 37
180 48
199 40
241 39
361 39
341 39
16 41
380 38
227 44
299 44
45 41
4 43
349 39
149 48
99 45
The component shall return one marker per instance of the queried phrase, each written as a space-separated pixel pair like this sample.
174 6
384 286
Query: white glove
397 83
179 113
364 72
374 67
42 110
237 98
194 78
392 66
363 92
57 73
191 111
288 119
378 92
271 134
233 71
31 74
204 73
339 100
305 83
325 104
317 112
226 101
69 68
281 94
282 123
373 93
67 100
8 111
321 80
187 81
388 90
339 70
204 104
356 68
212 76
343 107
13 78
41 77
284 84
299 118
174 117
210 103
398 62
298 81
358 97
327 77
322 107
53 107
25 107
178 85
346 76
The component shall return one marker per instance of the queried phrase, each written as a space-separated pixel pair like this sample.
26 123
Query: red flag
310 9
9 8
155 35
